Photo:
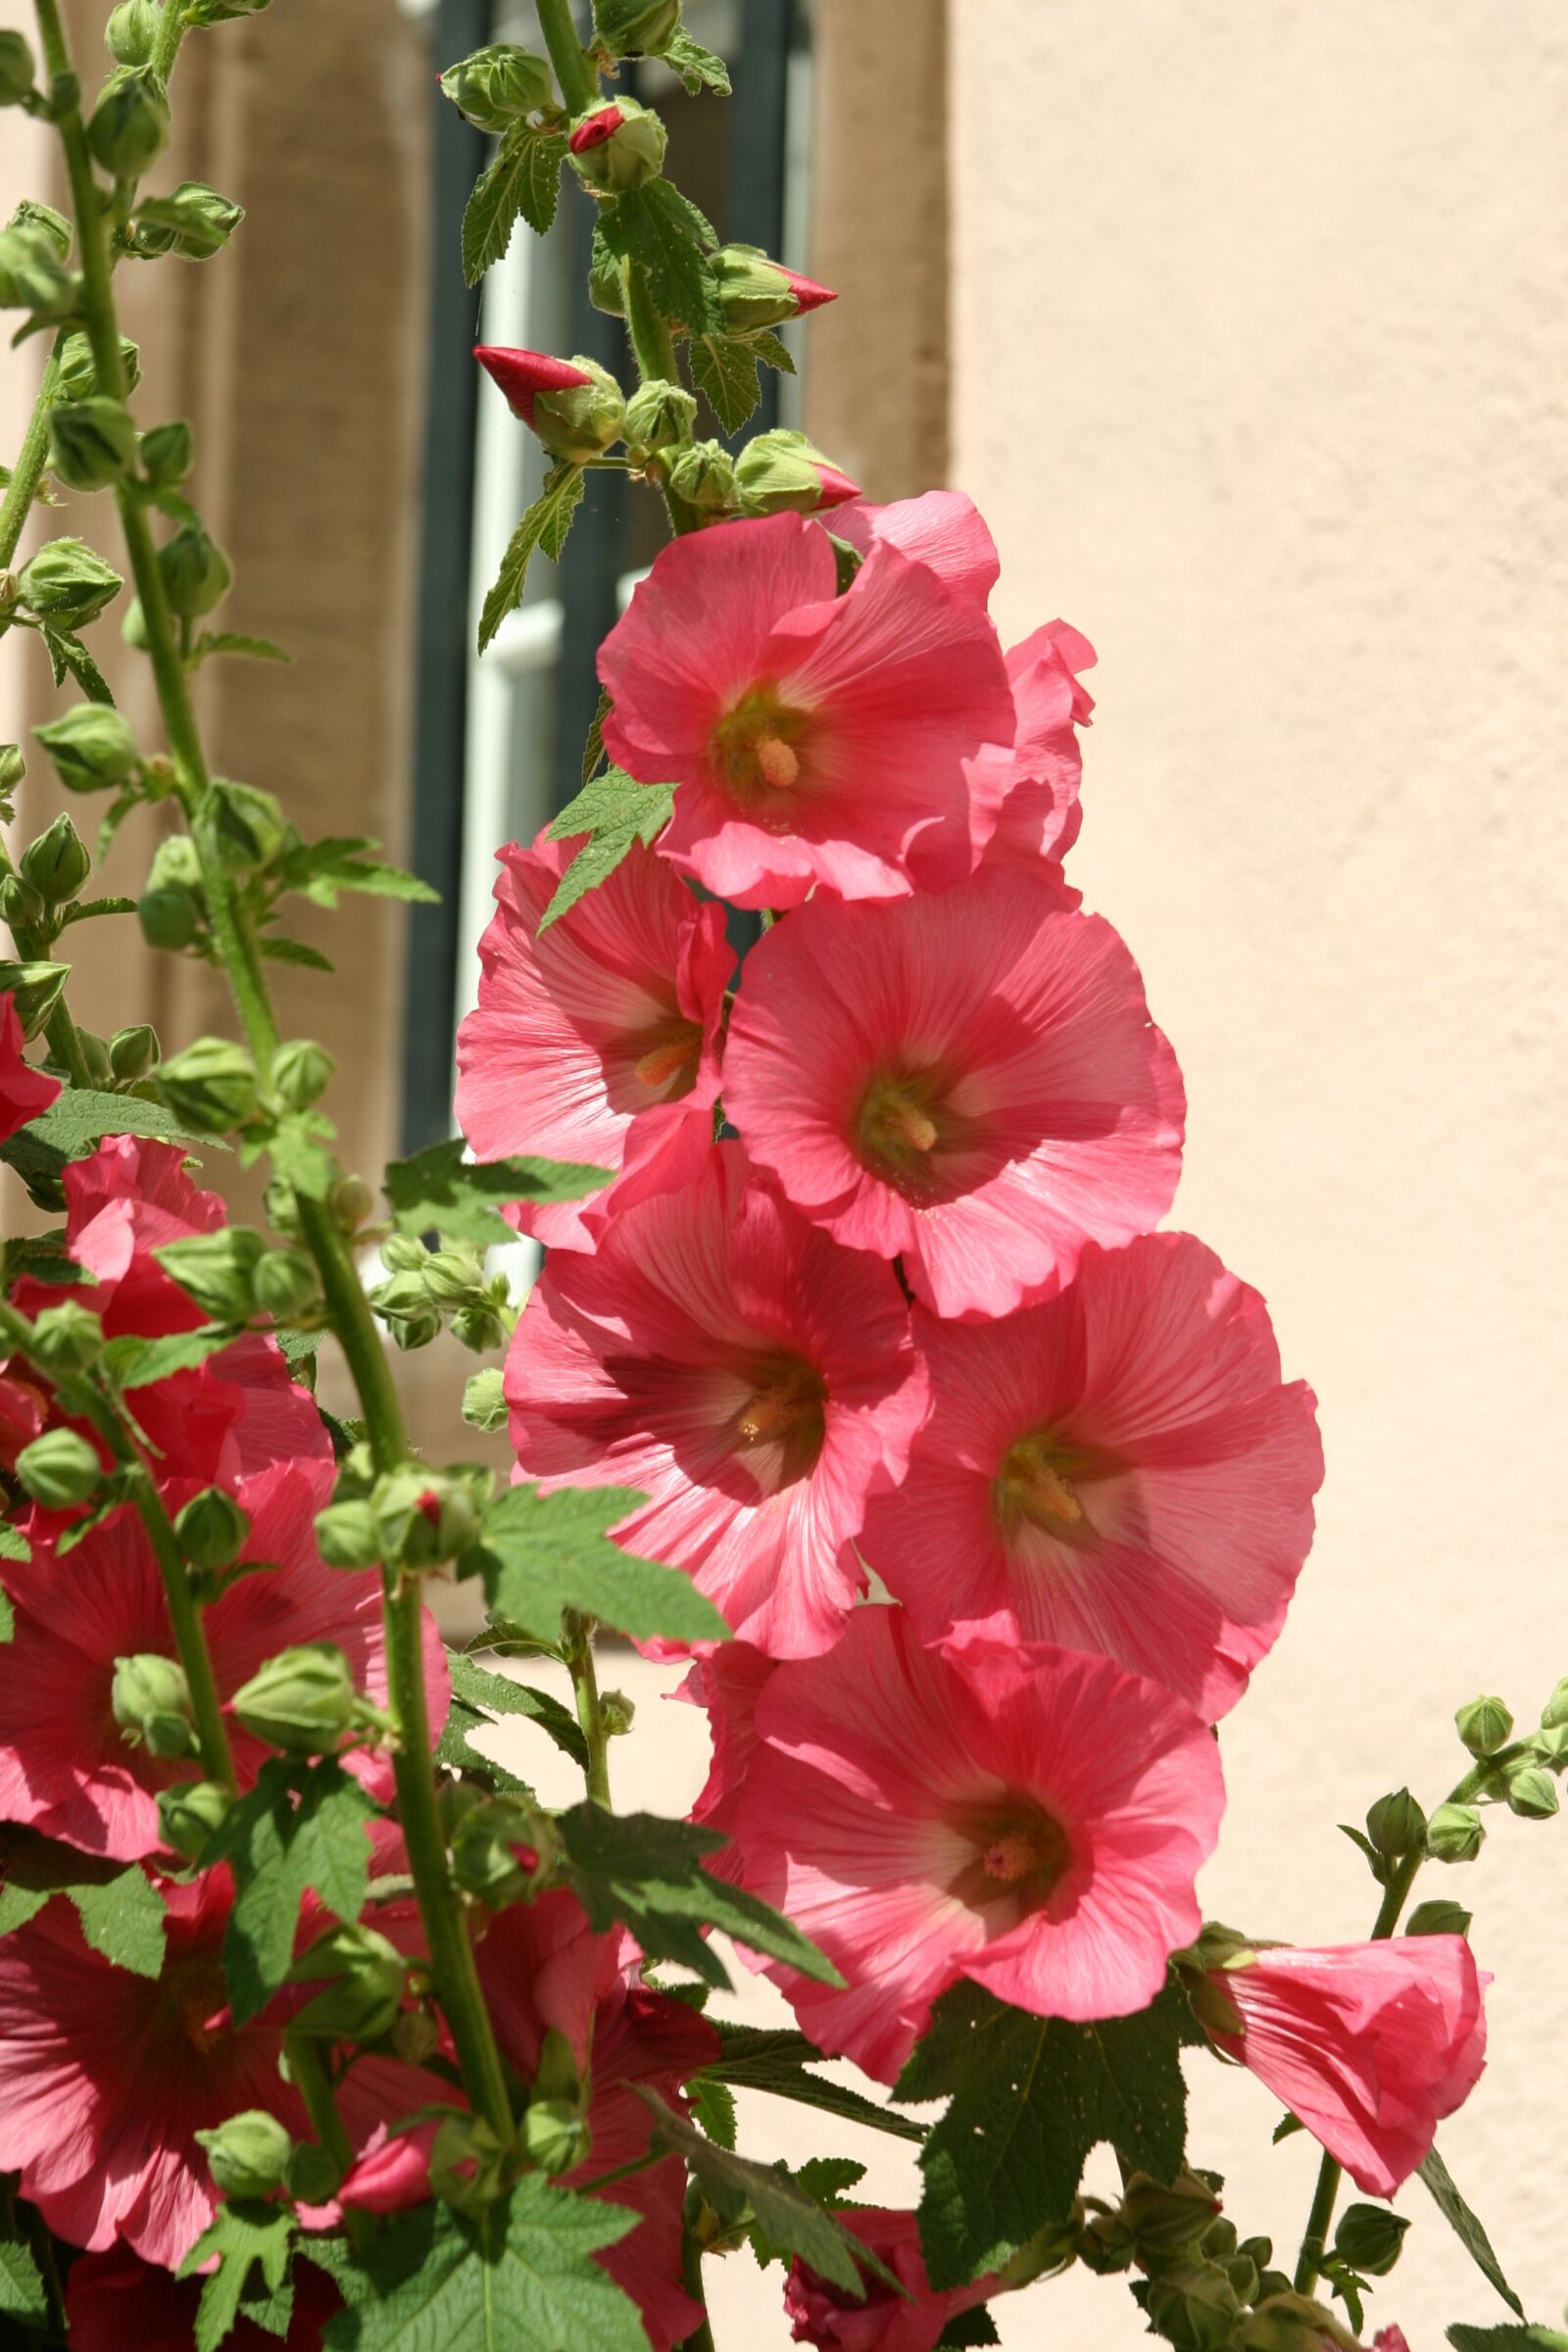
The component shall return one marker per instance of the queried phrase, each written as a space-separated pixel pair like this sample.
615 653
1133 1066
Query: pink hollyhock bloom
1041 814
970 1082
727 1681
66 1768
756 1382
115 2301
817 739
1119 1469
1020 1814
521 376
944 530
1369 2045
885 2321
597 1037
24 1093
1390 2339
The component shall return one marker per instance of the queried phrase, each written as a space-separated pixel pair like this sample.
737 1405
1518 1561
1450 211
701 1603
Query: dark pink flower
752 1380
817 739
1390 2339
970 1082
521 376
885 2321
24 1093
114 2301
1021 1815
595 128
597 1037
1370 2045
1119 1469
944 530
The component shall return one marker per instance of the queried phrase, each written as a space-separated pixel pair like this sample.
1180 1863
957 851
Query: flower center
785 1411
754 746
670 1054
899 1124
196 1995
1032 1485
1019 1853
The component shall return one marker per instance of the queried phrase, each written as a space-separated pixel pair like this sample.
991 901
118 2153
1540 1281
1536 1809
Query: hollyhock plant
727 1360
113 2300
65 1767
24 1093
1119 1469
1023 1816
597 1037
909 2317
969 1083
817 739
1369 2044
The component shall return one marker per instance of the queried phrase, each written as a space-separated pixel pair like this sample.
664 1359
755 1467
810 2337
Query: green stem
311 2079
649 329
579 83
590 1714
61 1030
211 1733
31 462
701 2339
171 33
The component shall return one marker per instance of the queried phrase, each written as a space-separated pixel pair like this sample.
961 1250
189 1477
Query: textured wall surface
1262 334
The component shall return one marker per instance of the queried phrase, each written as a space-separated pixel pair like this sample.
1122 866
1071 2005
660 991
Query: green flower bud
479 1329
364 1978
285 1284
60 1469
91 746
1554 1714
703 474
1291 2322
57 864
167 453
132 31
189 1813
35 988
1396 1825
1484 1726
17 68
783 472
197 575
68 585
347 1536
314 2174
424 1516
33 277
302 1701
132 1054
94 1051
350 1202
250 2155
170 918
210 1085
151 1702
1438 1917
42 220
13 766
1194 2307
467 2163
193 223
1370 2239
92 442
618 1713
500 85
1455 1833
224 11
78 370
660 415
635 28
406 1307
1163 2221
756 291
495 1852
484 1403
129 125
404 1253
215 1269
1105 2245
605 289
248 826
21 907
617 145
212 1529
1531 1793
452 1275
578 421
66 1339
301 1073
554 2135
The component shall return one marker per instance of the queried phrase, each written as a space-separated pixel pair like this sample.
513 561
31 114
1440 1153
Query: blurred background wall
1248 327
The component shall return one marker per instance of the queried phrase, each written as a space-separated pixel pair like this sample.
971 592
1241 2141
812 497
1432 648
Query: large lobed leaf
302 1827
438 1191
542 1553
544 527
779 2060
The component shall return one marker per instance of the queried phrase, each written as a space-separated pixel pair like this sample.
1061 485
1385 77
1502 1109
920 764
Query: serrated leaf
76 1123
523 2278
542 1553
8 1614
826 2179
124 1922
294 951
438 1191
298 1146
230 641
724 371
133 1363
544 527
1466 2228
713 2106
495 1694
23 2296
593 749
68 654
300 1828
1506 2338
524 178
616 812
18 1904
656 226
1030 2097
774 350
121 1914
244 2237
321 870
45 1257
966 2327
697 67
777 2060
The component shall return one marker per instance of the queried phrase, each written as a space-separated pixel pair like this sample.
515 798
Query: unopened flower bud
94 1051
756 291
189 1813
214 1270
554 2135
1531 1793
782 473
212 1529
301 1073
301 1701
574 405
78 370
1162 2220
150 1698
404 1253
495 1852
1484 1726
210 1085
1438 1917
1105 2245
68 585
193 223
13 766
618 146
197 575
21 908
167 453
703 474
132 1054
249 2156
452 1275
347 1536
415 2036
659 416
1455 1833
92 443
605 289
285 1284
364 1977
618 1713
498 86
1291 2322
59 1470
129 124
91 746
467 2163
17 68
1554 1714
1194 2307
479 1329
247 825
33 276
1370 2238
407 1311
131 31
66 1339
35 990
42 220
170 918
635 28
350 1202
484 1402
1396 1825
57 864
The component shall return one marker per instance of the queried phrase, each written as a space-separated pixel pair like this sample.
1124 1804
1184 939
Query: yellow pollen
1012 1857
661 1062
776 1409
777 763
895 1120
1031 1484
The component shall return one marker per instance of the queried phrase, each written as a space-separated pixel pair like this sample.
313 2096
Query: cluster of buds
1202 2285
415 1518
1520 1773
426 1288
503 1850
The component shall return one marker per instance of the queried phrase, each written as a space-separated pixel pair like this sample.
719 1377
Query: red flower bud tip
430 1506
524 375
596 129
809 295
837 488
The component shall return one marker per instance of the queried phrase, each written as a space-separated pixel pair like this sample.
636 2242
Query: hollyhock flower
1119 1469
1020 1814
1390 2339
66 1768
817 739
24 1093
596 1038
736 1366
970 1082
113 2300
884 2321
728 1682
1369 2045
944 530
1041 814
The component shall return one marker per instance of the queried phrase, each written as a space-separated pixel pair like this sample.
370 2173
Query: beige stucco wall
1262 334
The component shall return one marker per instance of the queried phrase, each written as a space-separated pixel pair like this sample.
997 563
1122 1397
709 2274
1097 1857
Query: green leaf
697 65
494 1695
45 1257
133 1363
14 1546
1466 2229
724 371
975 2327
545 526
321 870
524 178
124 1920
298 1147
772 351
648 1874
294 951
8 1614
542 1553
242 2236
1030 2097
655 224
22 2289
18 1904
438 1191
777 2060
1507 2338
826 2179
119 1912
616 812
593 749
299 1828
523 2278
67 654
229 641
74 1125
714 2105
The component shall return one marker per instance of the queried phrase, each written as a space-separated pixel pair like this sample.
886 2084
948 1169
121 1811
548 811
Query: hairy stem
701 2339
590 1714
171 33
207 1708
579 83
311 2079
31 461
